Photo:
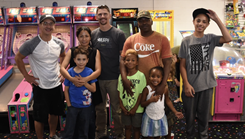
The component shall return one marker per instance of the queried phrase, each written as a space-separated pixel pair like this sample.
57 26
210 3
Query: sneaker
120 136
54 137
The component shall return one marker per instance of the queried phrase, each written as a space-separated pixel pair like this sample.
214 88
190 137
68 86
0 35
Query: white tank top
155 110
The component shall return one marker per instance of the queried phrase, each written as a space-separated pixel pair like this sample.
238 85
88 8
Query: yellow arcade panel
163 22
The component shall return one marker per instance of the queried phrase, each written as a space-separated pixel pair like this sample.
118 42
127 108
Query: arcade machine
84 16
5 70
228 98
163 22
23 25
63 31
125 19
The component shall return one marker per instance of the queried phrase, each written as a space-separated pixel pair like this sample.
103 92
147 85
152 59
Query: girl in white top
154 121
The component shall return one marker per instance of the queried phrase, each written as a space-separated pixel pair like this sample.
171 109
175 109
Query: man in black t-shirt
109 41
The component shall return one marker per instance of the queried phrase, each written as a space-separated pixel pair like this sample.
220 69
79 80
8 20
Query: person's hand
78 81
159 90
155 98
212 15
68 104
177 82
179 115
132 112
125 112
189 90
127 87
62 79
31 80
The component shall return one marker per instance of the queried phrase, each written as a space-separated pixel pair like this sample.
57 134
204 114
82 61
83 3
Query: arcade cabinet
23 24
125 20
228 97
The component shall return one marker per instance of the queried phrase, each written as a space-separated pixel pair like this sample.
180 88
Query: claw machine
163 22
228 97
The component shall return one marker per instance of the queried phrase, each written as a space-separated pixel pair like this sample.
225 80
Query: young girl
173 95
176 74
130 103
154 121
79 98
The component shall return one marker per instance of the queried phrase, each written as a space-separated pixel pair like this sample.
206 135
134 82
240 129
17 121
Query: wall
182 9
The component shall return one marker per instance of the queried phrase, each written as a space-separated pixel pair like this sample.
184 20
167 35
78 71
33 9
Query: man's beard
103 23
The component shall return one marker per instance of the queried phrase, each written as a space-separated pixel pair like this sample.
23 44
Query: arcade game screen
127 28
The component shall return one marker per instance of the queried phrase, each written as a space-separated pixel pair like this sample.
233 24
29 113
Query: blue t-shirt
80 97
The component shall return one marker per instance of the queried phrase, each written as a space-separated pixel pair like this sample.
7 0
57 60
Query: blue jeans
81 118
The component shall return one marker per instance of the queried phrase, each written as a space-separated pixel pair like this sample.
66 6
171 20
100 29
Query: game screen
84 14
124 13
127 28
21 15
61 14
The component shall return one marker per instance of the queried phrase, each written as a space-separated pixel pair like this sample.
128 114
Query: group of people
137 73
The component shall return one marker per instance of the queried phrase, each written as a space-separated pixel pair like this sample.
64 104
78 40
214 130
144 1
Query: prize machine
228 97
63 31
125 19
163 22
5 70
23 26
84 16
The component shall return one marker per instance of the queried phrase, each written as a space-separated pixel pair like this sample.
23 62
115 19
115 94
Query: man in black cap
152 47
196 54
153 50
43 52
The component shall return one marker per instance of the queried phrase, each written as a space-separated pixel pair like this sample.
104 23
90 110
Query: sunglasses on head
102 6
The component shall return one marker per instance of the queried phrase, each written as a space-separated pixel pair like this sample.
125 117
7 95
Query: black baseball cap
200 11
46 16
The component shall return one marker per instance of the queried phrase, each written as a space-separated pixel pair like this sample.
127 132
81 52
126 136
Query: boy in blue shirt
79 98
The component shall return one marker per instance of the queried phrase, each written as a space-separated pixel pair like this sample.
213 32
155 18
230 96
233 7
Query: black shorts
47 101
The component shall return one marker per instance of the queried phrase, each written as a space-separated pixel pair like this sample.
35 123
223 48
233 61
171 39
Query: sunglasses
102 6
